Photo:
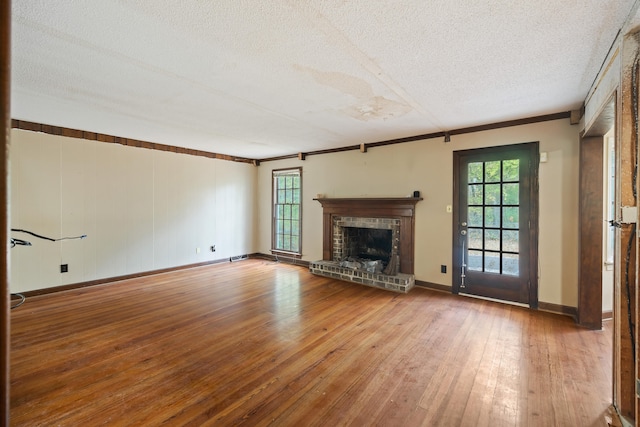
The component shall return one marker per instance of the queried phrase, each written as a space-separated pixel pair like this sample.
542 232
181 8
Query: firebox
371 244
359 238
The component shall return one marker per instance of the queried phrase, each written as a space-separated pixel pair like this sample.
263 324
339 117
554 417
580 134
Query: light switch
629 214
449 209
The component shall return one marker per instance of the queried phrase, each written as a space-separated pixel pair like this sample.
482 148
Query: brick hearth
399 283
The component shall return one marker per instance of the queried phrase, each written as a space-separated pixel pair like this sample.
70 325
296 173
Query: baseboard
607 315
118 278
280 258
79 285
558 309
542 306
434 286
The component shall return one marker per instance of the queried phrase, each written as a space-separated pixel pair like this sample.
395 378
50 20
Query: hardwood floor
260 343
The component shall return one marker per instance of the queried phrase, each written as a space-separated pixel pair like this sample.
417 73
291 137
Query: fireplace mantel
402 208
379 203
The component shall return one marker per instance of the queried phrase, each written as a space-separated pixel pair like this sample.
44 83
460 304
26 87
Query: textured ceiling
267 78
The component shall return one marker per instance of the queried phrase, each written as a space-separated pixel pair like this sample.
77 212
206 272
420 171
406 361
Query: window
287 211
493 214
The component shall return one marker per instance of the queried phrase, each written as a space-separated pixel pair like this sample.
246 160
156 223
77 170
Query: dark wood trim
45 291
434 286
110 139
400 202
511 123
456 257
534 227
5 136
461 131
558 309
590 233
542 306
607 315
79 285
402 208
285 157
312 153
93 136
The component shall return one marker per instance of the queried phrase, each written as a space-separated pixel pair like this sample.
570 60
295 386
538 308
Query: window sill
286 254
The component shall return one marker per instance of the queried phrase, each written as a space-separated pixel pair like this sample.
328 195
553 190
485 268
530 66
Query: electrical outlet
443 269
197 250
64 268
213 248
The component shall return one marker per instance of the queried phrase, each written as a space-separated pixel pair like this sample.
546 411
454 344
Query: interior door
495 229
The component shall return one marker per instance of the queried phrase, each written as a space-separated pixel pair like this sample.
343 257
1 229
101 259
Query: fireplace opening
368 244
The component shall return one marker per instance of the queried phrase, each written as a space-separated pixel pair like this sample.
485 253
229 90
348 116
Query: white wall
142 209
427 166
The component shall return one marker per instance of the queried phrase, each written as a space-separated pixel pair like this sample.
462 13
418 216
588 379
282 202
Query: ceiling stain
378 107
367 105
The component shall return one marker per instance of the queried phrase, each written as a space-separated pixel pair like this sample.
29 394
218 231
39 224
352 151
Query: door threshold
501 301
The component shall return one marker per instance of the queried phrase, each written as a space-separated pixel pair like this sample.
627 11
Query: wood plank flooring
261 343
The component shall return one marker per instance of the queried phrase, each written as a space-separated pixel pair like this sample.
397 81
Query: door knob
463 232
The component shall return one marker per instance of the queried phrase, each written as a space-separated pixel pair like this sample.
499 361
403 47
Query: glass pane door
493 207
495 222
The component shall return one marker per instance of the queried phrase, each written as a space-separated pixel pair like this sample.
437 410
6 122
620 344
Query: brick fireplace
380 230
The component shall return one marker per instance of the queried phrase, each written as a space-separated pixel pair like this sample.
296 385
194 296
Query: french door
495 222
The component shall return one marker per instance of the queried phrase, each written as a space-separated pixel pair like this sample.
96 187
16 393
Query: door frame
534 155
5 136
590 232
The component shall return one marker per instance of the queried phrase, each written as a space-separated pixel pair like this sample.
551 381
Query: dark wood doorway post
590 233
5 81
